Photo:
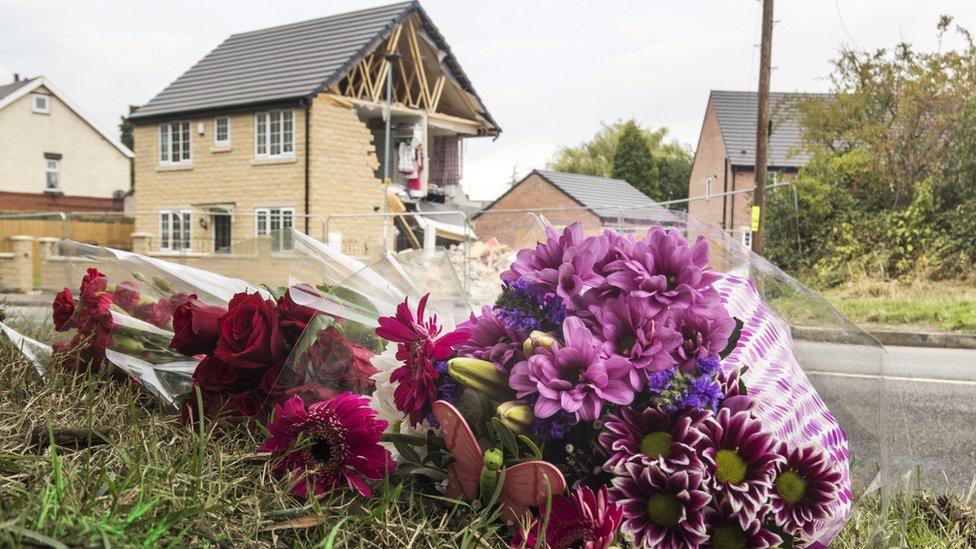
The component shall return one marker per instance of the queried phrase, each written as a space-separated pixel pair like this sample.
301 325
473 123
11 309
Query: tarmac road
929 398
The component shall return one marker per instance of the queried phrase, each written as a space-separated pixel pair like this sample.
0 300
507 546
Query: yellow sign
755 218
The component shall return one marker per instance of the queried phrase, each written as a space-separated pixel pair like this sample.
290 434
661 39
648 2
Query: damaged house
284 127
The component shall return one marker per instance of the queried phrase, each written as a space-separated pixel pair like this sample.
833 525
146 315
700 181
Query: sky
549 71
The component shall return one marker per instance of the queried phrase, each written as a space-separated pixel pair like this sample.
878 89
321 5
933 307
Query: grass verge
85 460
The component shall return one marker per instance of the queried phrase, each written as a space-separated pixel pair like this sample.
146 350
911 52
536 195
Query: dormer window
40 103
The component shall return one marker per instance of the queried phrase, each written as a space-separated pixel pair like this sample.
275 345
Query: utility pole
762 129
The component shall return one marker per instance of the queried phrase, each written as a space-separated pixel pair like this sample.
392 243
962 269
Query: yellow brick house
284 127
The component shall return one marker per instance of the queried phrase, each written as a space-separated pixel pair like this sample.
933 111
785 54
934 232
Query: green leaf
507 438
534 450
406 451
733 339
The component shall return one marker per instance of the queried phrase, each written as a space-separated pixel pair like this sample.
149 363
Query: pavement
926 403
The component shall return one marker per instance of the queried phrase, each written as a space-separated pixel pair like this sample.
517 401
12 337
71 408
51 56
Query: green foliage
633 163
671 160
889 190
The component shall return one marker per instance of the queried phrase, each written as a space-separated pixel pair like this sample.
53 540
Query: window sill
173 167
274 160
177 253
221 149
53 192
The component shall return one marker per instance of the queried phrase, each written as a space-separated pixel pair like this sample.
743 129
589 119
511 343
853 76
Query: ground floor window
273 221
175 230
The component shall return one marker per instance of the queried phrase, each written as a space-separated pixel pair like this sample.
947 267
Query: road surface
928 397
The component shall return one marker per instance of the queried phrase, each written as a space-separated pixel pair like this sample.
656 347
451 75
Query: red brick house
726 155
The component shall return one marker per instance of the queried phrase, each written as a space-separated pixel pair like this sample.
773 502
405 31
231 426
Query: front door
221 222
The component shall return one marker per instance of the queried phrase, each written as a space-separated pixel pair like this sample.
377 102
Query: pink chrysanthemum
652 436
662 510
804 491
742 461
331 443
725 532
419 344
584 520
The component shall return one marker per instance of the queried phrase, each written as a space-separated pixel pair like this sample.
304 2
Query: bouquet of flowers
663 391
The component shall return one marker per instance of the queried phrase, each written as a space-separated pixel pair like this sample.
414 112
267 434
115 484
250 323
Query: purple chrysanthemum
629 329
741 460
651 436
492 340
702 336
804 491
662 510
664 269
573 377
725 531
563 264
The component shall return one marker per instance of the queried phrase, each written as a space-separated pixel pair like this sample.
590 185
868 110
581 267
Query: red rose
196 327
212 375
309 393
335 361
64 310
294 318
127 296
249 333
153 313
245 404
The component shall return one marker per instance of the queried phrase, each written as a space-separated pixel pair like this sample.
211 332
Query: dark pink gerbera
725 531
331 443
583 519
419 344
742 461
804 491
652 436
662 510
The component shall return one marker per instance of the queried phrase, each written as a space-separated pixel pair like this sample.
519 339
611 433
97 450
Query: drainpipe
308 142
725 189
732 204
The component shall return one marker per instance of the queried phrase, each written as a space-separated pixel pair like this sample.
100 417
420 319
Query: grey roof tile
10 88
288 62
607 198
736 112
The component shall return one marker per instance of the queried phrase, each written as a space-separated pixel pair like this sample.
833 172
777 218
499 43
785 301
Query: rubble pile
486 259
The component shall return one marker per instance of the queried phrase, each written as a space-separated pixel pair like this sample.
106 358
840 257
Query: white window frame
268 216
164 137
271 126
218 143
46 109
708 187
48 170
186 225
746 237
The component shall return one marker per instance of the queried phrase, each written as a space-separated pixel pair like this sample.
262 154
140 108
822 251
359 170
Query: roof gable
606 198
11 93
289 62
736 112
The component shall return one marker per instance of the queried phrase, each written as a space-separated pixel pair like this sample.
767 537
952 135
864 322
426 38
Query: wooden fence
115 232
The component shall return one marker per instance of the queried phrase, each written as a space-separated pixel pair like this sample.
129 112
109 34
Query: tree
672 160
632 162
889 189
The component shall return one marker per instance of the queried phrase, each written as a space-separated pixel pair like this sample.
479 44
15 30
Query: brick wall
45 202
343 176
217 176
709 164
532 192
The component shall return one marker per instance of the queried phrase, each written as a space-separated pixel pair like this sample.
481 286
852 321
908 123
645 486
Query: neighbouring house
725 158
285 127
562 198
55 158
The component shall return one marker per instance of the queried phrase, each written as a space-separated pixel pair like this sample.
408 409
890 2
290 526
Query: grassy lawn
921 306
124 471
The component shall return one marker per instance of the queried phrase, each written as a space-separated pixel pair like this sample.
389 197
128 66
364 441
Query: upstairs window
174 230
41 103
221 132
174 143
52 172
272 220
274 134
747 237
